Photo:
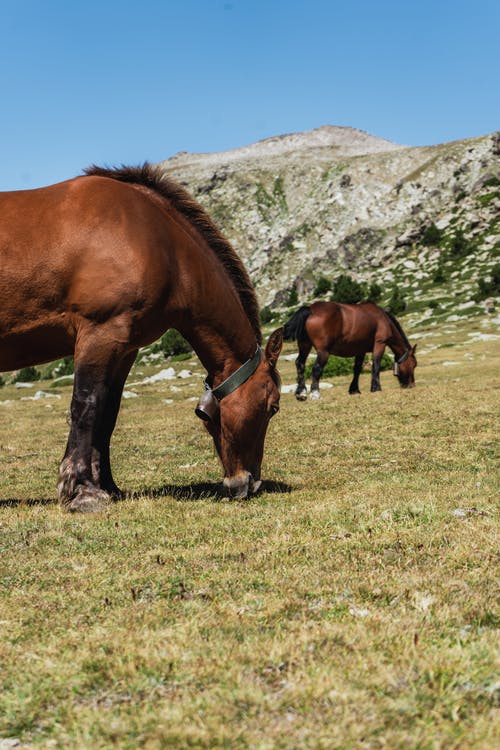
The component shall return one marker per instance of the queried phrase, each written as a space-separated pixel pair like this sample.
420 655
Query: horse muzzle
407 385
241 485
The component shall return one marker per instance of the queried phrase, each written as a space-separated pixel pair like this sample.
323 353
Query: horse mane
398 326
153 178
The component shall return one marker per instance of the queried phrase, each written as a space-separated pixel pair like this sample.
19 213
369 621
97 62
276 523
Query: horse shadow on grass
194 492
213 491
13 502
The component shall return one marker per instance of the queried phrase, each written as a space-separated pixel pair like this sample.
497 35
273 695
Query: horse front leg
358 366
79 481
317 371
101 465
100 364
377 354
300 364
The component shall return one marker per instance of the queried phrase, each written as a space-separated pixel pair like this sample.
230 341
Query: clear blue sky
122 81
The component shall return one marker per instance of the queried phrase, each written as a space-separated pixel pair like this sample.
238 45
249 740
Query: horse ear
414 349
273 347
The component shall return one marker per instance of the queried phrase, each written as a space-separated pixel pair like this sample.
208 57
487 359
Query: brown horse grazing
348 331
103 264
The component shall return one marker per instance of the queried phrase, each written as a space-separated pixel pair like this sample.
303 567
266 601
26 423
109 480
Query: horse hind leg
300 364
317 371
358 366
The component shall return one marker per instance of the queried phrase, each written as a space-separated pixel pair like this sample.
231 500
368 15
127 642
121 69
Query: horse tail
295 328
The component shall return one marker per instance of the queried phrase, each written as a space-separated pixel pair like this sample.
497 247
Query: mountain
337 200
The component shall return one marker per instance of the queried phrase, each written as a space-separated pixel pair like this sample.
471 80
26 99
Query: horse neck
398 343
219 329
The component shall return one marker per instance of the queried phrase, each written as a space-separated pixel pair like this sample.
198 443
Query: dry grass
355 610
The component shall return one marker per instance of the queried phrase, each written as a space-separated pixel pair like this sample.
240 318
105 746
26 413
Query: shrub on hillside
375 292
58 369
266 315
397 301
323 285
27 375
293 298
432 236
440 275
489 286
460 246
348 290
336 366
172 344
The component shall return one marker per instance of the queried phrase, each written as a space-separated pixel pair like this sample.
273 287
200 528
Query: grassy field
350 605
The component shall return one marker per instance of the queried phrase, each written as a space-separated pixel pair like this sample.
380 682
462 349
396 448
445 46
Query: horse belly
343 348
34 345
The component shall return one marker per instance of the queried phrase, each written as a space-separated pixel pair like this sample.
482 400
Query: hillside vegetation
337 200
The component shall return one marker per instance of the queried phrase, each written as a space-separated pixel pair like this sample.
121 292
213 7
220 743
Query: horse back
75 254
346 330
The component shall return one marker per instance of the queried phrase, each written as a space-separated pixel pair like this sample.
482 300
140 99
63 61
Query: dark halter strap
400 361
403 358
238 377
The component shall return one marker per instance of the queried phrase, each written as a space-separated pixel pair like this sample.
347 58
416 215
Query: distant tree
440 275
293 297
347 289
27 375
323 285
172 343
432 236
489 287
266 315
375 292
65 366
397 301
460 245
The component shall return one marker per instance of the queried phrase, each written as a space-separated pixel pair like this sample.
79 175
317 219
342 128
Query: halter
400 361
208 405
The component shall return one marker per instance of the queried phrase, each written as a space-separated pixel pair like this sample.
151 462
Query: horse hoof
89 500
314 396
301 395
353 393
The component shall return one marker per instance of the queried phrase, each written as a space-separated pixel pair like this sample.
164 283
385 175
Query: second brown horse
348 331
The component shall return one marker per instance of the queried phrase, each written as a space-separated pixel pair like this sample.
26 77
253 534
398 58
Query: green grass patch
352 604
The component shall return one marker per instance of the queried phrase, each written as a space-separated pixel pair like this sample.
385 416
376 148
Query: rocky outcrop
338 200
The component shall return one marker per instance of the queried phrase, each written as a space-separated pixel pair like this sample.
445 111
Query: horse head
404 368
237 414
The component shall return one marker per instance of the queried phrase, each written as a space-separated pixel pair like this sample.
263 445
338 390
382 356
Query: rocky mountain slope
338 200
